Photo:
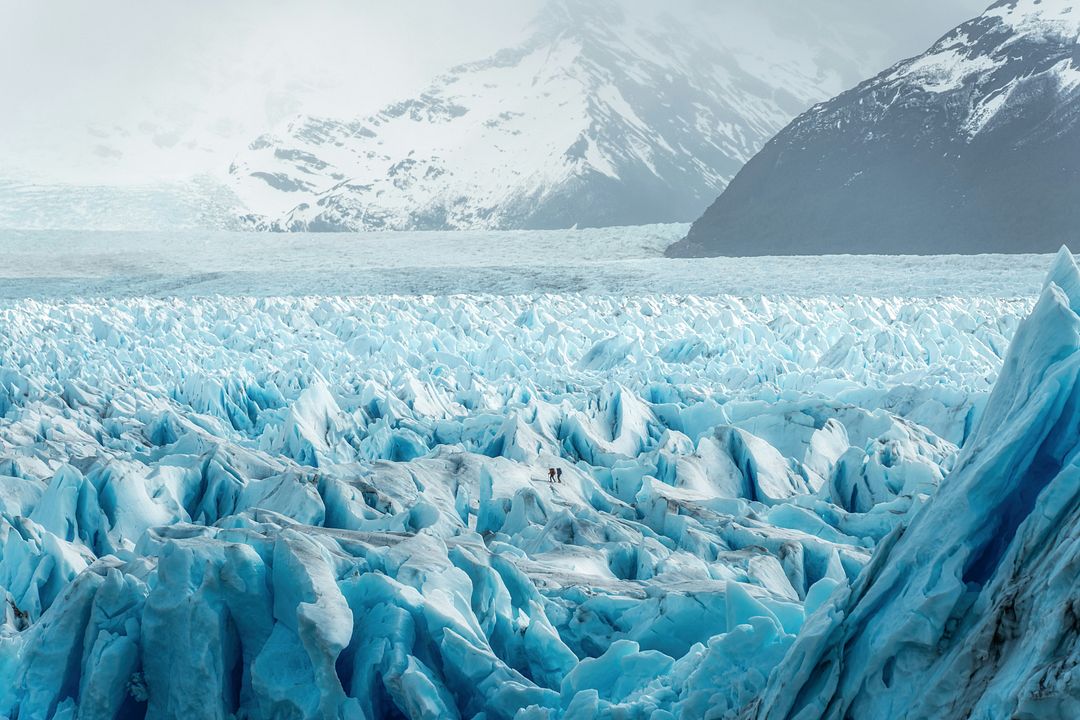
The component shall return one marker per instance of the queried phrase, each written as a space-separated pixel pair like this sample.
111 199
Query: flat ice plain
306 476
629 261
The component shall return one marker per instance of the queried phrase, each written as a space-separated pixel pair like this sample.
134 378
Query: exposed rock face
972 147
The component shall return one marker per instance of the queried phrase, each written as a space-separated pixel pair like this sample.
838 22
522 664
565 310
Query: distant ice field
608 261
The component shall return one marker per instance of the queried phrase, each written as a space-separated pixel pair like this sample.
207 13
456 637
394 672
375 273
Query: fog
139 90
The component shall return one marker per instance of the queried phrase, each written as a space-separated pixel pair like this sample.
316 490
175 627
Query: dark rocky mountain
972 147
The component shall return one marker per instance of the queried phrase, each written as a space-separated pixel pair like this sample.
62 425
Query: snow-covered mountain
595 119
973 146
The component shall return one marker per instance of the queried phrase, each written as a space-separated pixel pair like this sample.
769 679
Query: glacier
620 262
979 620
338 507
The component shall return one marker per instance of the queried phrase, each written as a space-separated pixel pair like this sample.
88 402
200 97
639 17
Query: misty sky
179 84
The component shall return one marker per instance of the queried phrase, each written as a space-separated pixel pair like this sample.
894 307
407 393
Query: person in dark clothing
558 475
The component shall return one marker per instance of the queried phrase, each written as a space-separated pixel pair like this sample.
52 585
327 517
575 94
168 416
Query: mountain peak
593 120
956 150
1057 17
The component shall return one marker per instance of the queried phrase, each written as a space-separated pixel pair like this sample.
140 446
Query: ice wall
971 610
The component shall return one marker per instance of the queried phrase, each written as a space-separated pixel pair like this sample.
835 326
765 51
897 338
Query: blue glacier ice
333 507
970 609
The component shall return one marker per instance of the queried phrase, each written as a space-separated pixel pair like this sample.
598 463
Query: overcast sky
198 76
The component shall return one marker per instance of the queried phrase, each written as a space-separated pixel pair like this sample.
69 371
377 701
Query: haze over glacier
148 146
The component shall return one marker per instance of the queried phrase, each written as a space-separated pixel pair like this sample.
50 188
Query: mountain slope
594 120
973 146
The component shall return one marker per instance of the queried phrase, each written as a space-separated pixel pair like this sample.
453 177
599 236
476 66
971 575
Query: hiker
551 475
558 475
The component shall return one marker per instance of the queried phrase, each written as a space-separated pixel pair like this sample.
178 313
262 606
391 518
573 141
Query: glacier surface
606 261
335 507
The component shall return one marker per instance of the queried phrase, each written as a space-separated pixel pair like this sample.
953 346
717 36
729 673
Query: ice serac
970 611
339 507
970 147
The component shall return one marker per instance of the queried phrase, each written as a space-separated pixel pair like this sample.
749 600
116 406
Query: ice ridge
970 610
